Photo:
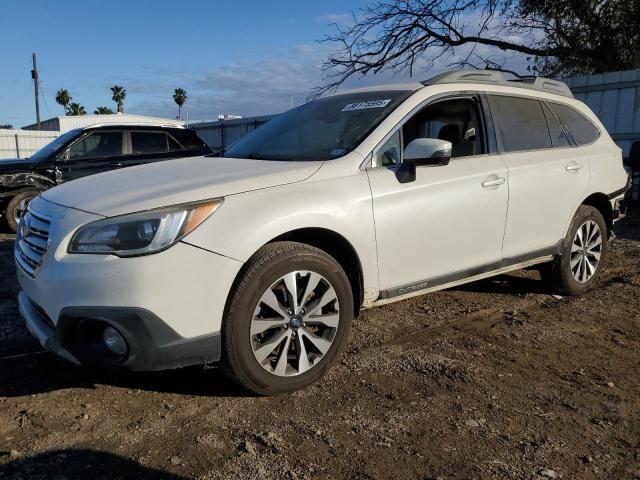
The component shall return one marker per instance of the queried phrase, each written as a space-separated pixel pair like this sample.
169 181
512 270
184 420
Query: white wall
23 143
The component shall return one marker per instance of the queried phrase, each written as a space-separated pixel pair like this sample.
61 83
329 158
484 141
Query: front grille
32 241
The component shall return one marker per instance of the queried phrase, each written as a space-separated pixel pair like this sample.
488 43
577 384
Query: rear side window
580 127
149 142
520 123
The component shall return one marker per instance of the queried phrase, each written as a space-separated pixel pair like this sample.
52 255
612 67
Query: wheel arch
339 248
333 244
601 202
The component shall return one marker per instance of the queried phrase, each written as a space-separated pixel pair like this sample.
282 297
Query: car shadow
78 463
42 372
508 284
629 228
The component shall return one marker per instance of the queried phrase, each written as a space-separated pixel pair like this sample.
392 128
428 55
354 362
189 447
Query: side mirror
64 155
428 152
421 152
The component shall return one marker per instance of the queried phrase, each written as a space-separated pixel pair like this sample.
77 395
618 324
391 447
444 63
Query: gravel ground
495 379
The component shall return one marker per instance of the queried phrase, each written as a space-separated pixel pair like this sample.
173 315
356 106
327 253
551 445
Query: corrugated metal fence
23 143
222 133
615 98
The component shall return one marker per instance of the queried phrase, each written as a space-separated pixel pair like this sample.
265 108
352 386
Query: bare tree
555 36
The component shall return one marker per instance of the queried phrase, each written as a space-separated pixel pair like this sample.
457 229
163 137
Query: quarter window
389 154
520 123
581 129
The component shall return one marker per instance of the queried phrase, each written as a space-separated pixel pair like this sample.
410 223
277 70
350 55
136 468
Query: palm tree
102 111
118 96
180 96
63 98
76 109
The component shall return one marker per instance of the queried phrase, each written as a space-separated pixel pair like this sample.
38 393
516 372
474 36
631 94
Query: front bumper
152 344
168 306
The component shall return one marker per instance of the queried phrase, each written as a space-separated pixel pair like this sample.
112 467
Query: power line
13 84
44 98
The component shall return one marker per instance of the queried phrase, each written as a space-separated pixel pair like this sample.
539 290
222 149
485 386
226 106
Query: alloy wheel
586 251
294 323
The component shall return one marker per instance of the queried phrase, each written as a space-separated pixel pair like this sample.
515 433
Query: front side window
456 121
581 129
520 123
323 129
97 144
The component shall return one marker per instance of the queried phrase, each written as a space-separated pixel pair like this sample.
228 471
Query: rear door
95 152
547 175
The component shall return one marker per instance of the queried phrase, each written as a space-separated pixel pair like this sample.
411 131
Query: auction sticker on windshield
365 105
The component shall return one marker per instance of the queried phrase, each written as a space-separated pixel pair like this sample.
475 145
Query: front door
96 152
448 223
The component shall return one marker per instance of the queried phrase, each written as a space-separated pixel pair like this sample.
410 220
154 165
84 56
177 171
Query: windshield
319 130
53 147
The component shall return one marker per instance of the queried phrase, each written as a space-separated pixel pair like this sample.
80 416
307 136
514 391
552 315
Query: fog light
114 341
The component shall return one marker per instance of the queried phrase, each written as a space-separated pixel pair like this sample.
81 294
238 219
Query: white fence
23 143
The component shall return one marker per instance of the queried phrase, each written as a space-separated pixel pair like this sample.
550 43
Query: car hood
173 182
15 165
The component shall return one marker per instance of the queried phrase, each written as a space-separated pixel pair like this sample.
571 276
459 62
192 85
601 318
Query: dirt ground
496 379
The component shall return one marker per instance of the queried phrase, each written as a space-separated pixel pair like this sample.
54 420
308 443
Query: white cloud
337 18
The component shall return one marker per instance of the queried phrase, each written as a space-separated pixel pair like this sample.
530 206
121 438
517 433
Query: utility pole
34 75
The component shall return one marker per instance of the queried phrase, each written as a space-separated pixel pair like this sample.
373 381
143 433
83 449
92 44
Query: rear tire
584 250
274 341
15 206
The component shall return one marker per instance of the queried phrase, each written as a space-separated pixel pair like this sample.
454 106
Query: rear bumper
152 344
618 200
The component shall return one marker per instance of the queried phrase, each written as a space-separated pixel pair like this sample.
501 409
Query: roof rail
492 77
132 124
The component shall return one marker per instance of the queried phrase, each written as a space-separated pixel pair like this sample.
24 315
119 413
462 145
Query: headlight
141 233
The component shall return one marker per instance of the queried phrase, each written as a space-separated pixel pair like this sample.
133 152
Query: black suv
89 150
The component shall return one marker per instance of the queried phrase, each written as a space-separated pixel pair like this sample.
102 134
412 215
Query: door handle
116 164
494 182
572 167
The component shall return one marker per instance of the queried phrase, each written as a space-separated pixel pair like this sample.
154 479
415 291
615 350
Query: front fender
14 183
248 221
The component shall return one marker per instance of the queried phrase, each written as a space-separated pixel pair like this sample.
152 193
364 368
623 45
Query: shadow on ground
42 372
74 463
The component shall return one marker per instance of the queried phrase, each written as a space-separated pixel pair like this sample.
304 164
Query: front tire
16 206
288 319
584 251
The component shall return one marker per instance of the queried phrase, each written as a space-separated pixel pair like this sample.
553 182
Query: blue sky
226 54
244 57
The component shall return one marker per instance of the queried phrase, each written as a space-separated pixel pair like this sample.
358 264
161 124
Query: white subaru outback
259 259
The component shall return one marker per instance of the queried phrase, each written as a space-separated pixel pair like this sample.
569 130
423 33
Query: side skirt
467 276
